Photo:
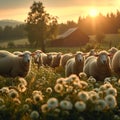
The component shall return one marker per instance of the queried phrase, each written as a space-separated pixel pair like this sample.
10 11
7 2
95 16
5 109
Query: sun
93 12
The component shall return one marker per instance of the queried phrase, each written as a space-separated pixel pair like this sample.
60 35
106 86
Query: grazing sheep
75 65
98 66
56 60
116 63
37 58
65 58
12 65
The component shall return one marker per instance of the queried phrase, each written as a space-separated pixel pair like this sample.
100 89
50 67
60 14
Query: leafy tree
40 25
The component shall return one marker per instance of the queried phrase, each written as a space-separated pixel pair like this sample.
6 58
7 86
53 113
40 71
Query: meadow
46 94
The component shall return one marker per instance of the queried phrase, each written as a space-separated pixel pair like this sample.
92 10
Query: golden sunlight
93 12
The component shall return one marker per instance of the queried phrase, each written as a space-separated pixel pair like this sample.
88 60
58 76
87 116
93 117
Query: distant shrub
11 44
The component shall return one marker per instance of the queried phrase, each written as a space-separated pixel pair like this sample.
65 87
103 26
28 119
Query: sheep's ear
84 54
110 55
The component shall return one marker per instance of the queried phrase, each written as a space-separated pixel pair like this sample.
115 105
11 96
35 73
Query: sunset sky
64 9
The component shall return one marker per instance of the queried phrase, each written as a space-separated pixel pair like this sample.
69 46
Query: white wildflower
80 106
65 104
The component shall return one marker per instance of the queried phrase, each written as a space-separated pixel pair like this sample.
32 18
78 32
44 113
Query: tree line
11 33
41 27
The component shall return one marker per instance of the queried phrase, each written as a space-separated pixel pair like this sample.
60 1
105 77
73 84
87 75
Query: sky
64 9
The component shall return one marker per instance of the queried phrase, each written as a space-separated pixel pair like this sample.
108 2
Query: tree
40 25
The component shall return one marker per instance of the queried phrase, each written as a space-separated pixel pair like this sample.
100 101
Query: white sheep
112 50
116 63
13 66
75 65
98 66
64 58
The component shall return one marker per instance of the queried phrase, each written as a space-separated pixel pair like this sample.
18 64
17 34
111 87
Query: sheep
64 58
37 58
17 53
75 65
116 63
112 50
56 60
13 66
98 66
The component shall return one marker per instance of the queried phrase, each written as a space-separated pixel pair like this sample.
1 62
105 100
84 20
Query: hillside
12 23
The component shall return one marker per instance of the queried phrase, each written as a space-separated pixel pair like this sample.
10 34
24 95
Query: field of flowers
45 94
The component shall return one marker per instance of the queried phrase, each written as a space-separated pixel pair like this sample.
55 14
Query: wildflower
36 92
34 115
82 75
37 98
52 103
92 79
107 79
23 81
84 84
13 93
44 108
49 90
69 89
111 91
21 87
65 104
100 105
28 100
60 80
58 88
17 101
4 90
83 96
93 96
111 101
26 107
80 106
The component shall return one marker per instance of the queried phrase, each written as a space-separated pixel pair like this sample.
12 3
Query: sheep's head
103 57
79 57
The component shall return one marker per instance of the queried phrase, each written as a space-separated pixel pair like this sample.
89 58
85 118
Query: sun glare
93 12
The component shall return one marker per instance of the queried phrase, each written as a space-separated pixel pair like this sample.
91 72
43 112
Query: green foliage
40 25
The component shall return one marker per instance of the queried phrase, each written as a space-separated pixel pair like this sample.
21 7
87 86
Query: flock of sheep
100 64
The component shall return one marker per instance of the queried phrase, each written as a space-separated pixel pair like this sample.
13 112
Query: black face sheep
56 60
13 66
98 66
75 65
116 63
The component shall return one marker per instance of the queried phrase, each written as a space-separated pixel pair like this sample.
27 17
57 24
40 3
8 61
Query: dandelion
23 81
13 93
52 103
100 105
21 87
111 101
107 79
69 89
36 92
44 108
60 80
111 91
58 88
4 90
84 84
49 90
91 79
80 106
93 96
17 101
82 75
65 104
26 107
83 96
28 100
37 98
34 115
